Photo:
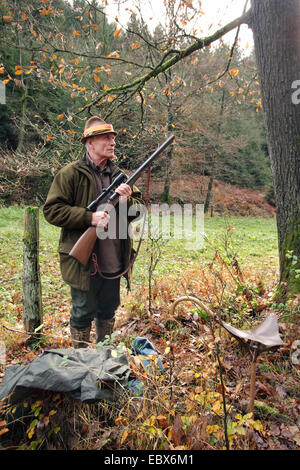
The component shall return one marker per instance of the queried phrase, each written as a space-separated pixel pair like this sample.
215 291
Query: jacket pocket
73 273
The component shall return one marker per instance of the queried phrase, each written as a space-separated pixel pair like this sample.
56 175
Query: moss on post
289 284
32 291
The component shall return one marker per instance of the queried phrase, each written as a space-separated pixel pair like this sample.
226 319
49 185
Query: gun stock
83 248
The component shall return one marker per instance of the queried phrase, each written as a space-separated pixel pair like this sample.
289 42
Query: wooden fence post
32 290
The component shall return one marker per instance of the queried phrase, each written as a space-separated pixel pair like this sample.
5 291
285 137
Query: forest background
61 56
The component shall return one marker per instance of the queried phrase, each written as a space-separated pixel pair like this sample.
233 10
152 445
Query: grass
252 240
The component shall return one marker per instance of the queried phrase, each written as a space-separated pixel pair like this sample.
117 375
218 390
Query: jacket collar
87 164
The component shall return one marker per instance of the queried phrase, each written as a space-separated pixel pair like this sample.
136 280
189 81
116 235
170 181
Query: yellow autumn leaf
234 72
135 45
30 433
124 436
258 425
24 16
210 429
106 87
32 30
113 54
117 32
167 350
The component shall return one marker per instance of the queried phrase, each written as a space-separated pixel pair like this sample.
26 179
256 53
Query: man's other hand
100 218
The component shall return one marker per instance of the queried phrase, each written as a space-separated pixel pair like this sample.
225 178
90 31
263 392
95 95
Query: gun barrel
132 179
148 162
116 182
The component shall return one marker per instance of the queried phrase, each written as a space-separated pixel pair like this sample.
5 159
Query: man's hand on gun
102 218
125 191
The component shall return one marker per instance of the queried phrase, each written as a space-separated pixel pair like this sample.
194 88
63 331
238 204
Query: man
95 288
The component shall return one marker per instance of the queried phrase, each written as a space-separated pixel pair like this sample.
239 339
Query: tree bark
213 159
32 292
276 31
168 161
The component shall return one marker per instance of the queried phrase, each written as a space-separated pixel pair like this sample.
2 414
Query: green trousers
100 302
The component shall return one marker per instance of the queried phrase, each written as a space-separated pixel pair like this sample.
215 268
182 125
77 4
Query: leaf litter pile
201 399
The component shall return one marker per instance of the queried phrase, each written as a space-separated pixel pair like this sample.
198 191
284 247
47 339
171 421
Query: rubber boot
81 337
103 328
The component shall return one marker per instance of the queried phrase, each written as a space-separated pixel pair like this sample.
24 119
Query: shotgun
83 248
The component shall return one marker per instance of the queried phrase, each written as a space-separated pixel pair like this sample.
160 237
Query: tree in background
276 30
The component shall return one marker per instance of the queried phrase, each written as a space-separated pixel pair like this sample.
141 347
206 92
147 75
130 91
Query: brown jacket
72 190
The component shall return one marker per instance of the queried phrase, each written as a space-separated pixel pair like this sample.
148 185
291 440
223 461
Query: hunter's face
101 147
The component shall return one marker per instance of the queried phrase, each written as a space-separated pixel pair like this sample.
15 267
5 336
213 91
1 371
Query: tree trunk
276 31
32 292
23 119
168 161
213 159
